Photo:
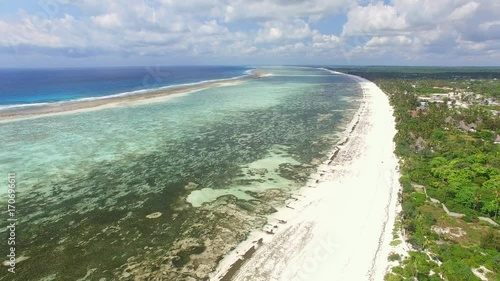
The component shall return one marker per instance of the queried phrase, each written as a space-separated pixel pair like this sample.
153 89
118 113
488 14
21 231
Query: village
457 98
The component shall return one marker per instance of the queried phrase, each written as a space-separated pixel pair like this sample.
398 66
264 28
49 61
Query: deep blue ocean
31 86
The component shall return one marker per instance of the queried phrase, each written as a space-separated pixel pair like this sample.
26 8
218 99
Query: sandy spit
159 95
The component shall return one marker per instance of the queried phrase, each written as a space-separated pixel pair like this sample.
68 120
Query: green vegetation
394 257
460 168
481 80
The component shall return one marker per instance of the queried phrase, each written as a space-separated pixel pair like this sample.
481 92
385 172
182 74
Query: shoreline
76 106
320 232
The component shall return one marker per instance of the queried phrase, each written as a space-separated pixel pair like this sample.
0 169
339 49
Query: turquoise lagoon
86 181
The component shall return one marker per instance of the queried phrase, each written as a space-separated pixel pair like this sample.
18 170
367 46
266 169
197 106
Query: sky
67 33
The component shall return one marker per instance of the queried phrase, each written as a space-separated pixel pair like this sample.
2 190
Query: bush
392 277
491 240
408 209
496 263
398 270
394 257
435 278
468 218
418 199
417 241
458 271
429 218
406 184
396 242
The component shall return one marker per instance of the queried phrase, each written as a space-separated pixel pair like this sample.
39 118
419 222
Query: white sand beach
338 227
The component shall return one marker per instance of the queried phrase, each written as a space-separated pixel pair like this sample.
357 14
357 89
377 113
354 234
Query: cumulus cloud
427 28
426 13
265 10
388 41
373 20
281 31
402 30
325 41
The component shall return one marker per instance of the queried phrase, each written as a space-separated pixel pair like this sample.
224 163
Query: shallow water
86 181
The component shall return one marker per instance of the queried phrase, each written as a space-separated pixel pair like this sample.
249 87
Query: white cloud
211 27
288 49
277 31
489 25
325 42
427 14
401 29
425 28
265 10
373 20
388 41
47 33
463 12
107 20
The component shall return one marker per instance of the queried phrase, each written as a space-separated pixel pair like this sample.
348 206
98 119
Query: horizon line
252 65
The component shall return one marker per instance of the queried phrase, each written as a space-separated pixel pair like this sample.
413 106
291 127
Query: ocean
21 87
160 190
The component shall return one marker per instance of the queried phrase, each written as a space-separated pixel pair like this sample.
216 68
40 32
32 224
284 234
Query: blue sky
335 32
